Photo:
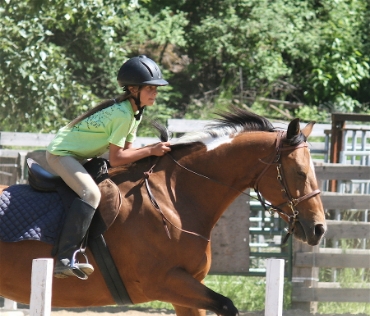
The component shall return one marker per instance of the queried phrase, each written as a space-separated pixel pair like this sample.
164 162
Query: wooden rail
307 260
12 161
308 289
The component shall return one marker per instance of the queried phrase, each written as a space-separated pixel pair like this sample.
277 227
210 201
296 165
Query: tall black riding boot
75 227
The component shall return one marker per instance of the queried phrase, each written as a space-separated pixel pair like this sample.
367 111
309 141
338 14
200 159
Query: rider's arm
120 156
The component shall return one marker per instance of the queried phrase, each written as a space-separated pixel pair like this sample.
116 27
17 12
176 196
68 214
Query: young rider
112 126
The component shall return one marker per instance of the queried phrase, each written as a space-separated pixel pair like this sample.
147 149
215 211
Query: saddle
110 203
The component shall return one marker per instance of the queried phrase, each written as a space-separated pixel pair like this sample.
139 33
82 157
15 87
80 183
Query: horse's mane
238 120
234 121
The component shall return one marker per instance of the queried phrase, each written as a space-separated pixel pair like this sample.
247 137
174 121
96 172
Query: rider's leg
76 177
75 227
78 217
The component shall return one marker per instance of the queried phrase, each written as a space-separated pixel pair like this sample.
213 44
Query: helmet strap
139 107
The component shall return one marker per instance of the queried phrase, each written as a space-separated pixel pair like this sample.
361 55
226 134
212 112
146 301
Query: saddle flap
108 208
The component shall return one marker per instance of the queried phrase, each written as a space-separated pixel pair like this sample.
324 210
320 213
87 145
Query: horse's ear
308 129
293 128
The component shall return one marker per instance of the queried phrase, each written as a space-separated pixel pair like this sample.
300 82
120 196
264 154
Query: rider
112 126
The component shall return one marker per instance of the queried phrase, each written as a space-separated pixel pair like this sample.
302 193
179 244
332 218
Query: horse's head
289 184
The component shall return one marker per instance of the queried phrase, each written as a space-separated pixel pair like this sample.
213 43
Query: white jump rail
41 287
41 291
274 287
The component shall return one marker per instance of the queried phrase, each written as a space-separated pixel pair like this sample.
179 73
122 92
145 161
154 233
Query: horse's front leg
190 297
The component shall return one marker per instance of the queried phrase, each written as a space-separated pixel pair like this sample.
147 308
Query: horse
160 240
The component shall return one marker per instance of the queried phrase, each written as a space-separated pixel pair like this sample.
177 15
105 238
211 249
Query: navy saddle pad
27 214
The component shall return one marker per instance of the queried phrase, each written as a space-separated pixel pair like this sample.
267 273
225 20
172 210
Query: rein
292 202
158 208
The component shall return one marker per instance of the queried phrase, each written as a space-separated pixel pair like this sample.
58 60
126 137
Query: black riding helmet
140 71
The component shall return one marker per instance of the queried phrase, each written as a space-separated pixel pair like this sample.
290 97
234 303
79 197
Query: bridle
292 202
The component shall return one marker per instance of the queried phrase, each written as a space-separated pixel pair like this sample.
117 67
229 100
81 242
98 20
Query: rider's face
148 94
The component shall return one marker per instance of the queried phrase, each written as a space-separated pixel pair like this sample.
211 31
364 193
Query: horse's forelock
295 140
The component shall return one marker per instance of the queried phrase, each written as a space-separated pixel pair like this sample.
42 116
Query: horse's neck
222 173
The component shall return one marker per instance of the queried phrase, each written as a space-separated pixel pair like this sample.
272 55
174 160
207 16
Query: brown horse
192 185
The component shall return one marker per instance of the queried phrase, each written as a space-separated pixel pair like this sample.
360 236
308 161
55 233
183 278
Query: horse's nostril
319 230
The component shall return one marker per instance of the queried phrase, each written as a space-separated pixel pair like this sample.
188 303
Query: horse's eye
302 174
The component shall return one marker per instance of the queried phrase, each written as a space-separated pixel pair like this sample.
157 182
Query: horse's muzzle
310 235
317 234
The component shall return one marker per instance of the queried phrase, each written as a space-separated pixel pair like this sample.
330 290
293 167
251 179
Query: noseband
292 202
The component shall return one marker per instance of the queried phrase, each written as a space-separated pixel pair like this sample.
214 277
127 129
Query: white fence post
41 287
9 304
274 287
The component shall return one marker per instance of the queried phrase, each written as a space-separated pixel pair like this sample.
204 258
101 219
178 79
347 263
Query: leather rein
158 208
292 202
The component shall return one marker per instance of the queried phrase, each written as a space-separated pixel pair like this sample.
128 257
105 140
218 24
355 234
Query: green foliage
59 58
341 67
311 113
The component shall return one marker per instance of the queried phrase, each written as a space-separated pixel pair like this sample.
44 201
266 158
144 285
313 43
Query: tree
60 57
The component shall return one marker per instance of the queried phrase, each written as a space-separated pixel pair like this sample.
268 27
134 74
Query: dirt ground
23 310
148 312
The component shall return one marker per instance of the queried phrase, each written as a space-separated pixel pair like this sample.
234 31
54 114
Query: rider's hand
161 148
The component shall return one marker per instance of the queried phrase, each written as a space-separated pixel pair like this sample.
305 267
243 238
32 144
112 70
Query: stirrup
64 270
81 270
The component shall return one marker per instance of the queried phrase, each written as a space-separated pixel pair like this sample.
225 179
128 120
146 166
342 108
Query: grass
247 293
344 308
347 278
